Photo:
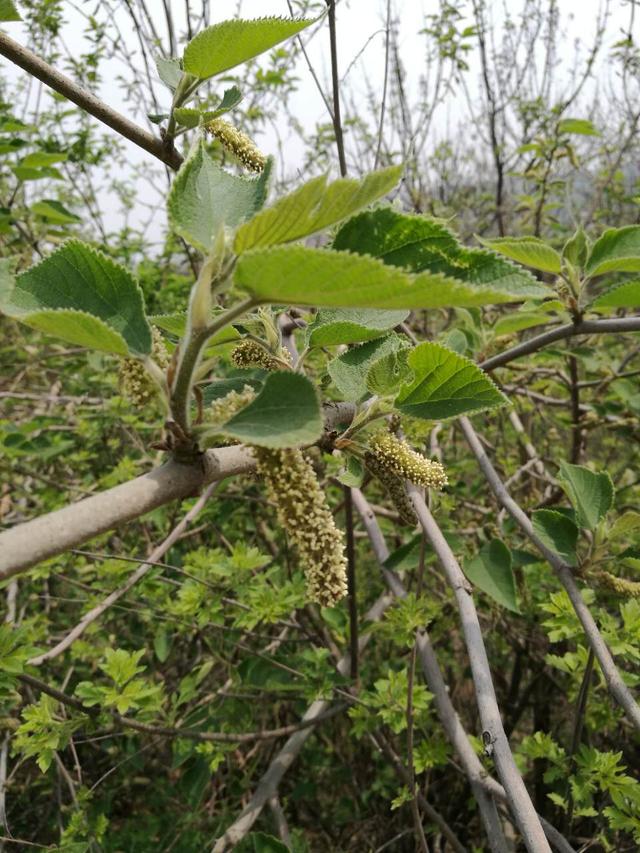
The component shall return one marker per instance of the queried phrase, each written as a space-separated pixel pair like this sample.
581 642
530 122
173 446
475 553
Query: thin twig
335 82
351 584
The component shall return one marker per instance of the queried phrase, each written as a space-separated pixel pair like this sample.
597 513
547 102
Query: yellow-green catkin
394 487
250 354
224 408
627 588
237 143
135 381
396 456
304 514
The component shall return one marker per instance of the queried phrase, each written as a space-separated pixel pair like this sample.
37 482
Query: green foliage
591 494
490 570
81 296
313 207
332 327
558 532
617 250
204 197
530 251
230 43
445 385
286 413
8 11
350 371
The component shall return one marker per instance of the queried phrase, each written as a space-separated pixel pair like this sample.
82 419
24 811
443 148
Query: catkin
396 456
304 514
224 408
394 487
135 381
237 143
630 589
249 354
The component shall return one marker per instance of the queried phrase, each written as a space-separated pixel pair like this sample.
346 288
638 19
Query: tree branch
569 330
493 731
616 685
29 62
27 544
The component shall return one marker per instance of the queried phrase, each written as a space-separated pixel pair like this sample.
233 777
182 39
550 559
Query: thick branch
616 685
87 101
27 544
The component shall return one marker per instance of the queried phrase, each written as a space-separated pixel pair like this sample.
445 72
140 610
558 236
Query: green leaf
446 385
55 212
421 244
625 295
162 644
352 474
41 159
558 532
581 126
386 374
297 275
230 99
203 196
590 494
530 251
176 324
518 321
349 371
229 43
286 413
617 250
313 207
576 249
260 842
491 572
351 325
82 296
8 11
628 522
169 71
187 116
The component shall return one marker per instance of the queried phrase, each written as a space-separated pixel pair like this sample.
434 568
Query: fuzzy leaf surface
350 370
421 244
203 196
445 385
229 43
297 275
334 326
82 296
313 207
530 251
617 250
591 494
286 413
626 295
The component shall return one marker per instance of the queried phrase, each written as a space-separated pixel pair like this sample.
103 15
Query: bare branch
87 101
616 685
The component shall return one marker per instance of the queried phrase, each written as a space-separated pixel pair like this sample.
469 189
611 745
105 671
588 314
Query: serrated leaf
332 327
387 374
314 207
490 570
626 295
298 275
421 244
576 249
558 533
530 251
230 99
591 494
187 116
518 321
349 371
55 212
204 196
446 385
8 11
286 413
229 43
82 296
617 250
169 71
